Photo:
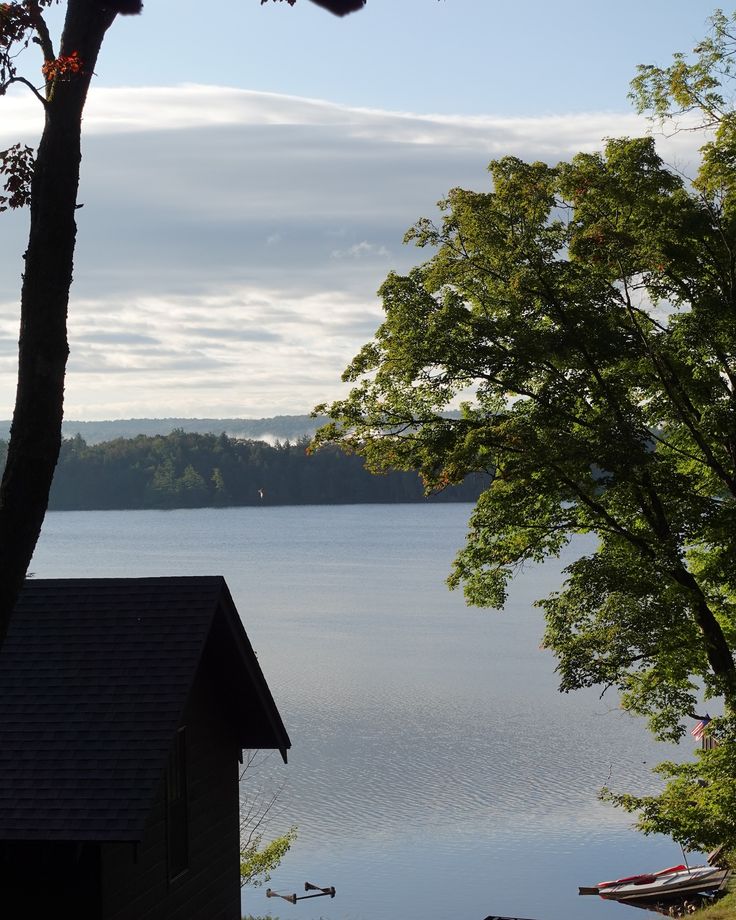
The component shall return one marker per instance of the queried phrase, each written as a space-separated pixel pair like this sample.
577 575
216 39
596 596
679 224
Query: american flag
699 729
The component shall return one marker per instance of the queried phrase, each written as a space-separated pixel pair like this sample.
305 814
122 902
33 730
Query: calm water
435 771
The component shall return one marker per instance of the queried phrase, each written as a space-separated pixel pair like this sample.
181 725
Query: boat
659 890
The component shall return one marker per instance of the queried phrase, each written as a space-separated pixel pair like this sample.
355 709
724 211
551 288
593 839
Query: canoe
676 880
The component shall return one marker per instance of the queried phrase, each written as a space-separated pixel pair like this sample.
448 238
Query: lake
435 771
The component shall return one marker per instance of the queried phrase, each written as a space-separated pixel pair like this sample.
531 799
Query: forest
189 470
281 427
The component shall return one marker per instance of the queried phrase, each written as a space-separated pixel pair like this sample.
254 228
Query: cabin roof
94 678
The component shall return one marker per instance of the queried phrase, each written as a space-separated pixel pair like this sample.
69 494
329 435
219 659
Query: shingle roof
94 678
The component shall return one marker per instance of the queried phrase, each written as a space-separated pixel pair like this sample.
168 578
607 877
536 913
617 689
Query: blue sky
248 177
526 57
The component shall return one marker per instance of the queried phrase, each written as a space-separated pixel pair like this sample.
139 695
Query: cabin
125 705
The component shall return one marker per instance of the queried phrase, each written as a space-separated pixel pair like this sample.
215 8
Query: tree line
281 427
188 470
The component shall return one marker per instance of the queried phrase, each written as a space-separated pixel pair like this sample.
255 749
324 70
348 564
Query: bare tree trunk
35 437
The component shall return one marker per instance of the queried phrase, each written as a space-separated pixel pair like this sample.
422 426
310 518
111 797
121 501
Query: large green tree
47 179
585 315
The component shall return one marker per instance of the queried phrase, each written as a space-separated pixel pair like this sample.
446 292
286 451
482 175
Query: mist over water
435 771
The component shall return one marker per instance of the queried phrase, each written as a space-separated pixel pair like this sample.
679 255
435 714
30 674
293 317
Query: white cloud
361 250
232 241
130 110
241 352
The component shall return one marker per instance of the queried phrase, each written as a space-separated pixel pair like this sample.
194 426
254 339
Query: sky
249 172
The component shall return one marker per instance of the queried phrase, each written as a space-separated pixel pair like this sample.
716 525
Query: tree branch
39 23
31 87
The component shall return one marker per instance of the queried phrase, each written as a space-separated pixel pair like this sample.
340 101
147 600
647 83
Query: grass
725 909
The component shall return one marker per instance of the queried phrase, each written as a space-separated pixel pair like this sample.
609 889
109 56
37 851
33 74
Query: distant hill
191 470
279 428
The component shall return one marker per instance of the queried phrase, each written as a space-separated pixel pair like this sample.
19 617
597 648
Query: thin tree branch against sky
234 232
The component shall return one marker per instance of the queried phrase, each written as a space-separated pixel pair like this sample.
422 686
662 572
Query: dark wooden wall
135 884
40 880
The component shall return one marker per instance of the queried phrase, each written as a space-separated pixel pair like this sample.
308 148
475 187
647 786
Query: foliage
338 7
698 804
64 66
258 800
692 86
585 316
16 165
257 862
21 23
187 470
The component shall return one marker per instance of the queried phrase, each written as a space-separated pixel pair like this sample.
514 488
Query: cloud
141 110
231 242
242 352
361 250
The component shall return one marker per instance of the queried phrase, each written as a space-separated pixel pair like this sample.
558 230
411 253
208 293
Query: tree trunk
35 437
717 649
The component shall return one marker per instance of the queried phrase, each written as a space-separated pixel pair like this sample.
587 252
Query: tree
258 861
695 86
585 314
47 180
